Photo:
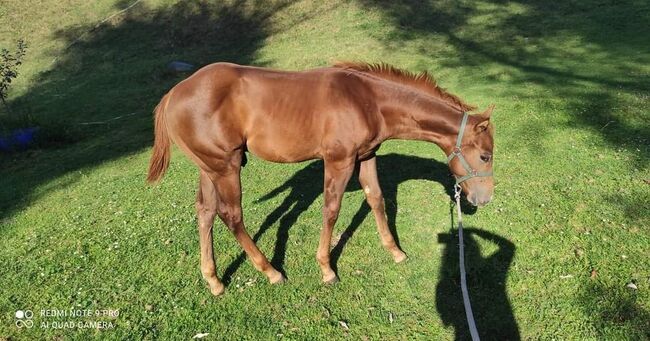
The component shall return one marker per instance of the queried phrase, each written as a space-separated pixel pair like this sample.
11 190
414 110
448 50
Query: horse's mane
423 81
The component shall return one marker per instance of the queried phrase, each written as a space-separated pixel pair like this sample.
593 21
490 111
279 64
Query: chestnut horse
339 114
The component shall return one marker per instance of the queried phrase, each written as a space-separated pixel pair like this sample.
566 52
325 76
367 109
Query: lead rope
463 276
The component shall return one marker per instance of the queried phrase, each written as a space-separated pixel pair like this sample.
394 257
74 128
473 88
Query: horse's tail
161 147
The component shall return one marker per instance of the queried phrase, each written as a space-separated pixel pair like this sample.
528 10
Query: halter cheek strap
471 172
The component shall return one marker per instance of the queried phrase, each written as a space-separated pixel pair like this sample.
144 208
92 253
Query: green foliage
9 63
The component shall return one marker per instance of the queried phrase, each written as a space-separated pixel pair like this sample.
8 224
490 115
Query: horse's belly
282 149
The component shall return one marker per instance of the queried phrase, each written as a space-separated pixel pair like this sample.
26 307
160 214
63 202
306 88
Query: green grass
79 227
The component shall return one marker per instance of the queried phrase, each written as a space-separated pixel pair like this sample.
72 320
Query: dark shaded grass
119 69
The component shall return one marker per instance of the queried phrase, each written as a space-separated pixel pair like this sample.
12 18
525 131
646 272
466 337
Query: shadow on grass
119 70
486 282
306 185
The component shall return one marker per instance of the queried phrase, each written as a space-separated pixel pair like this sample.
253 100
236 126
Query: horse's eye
486 157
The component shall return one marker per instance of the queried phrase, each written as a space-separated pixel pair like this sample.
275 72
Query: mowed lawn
563 251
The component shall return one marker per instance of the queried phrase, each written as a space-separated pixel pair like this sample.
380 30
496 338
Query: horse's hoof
278 279
400 258
217 290
332 280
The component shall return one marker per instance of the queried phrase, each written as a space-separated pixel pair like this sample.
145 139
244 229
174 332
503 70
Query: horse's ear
488 112
484 119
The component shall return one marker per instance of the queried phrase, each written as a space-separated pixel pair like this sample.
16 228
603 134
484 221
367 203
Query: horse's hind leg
228 188
206 209
370 184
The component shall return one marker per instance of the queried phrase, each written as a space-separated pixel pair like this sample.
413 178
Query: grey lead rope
463 275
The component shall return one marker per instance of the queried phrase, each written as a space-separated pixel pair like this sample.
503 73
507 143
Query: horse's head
471 163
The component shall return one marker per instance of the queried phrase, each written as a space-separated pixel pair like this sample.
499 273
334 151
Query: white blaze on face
367 190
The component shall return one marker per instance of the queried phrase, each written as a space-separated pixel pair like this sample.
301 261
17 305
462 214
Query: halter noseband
471 172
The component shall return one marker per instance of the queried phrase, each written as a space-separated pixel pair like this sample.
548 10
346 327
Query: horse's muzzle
479 199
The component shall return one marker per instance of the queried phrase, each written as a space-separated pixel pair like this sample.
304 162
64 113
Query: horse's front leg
337 175
370 184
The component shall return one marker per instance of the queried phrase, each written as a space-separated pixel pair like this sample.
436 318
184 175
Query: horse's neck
412 115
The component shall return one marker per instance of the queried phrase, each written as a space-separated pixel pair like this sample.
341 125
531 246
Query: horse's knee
231 216
375 200
374 197
331 212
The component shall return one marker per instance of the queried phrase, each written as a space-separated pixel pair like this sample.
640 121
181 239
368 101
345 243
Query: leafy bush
9 63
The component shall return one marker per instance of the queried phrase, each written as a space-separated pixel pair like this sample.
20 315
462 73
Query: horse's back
281 116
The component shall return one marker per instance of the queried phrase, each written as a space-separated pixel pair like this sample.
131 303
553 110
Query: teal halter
471 172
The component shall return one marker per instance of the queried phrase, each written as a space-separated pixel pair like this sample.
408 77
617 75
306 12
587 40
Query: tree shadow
486 282
120 69
585 52
306 185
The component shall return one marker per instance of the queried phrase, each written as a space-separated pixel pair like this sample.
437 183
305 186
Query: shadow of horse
306 185
487 275
486 282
